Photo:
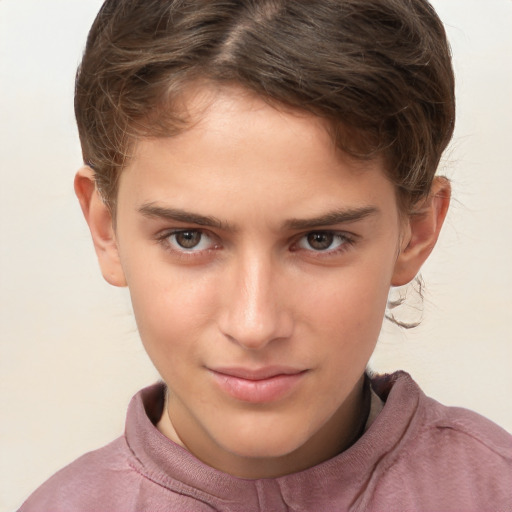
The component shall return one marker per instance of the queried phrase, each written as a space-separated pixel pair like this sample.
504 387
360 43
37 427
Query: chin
264 443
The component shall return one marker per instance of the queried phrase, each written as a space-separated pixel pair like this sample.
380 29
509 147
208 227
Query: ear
421 231
99 219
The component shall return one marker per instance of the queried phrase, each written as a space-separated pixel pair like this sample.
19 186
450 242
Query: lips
260 385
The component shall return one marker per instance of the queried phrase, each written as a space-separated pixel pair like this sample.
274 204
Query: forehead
239 146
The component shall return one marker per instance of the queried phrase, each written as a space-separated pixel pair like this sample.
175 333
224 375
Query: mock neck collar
340 479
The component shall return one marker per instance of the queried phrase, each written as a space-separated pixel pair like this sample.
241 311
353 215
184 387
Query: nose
255 308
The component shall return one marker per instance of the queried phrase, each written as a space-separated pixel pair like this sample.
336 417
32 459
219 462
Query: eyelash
183 253
346 242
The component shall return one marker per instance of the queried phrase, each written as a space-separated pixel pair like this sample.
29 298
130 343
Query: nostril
256 332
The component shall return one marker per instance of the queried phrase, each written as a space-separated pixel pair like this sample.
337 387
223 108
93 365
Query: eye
322 241
190 240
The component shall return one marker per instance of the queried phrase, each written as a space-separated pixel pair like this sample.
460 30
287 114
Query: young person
259 174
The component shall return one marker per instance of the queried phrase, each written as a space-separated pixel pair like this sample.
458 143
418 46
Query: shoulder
462 454
428 419
452 454
471 430
132 473
100 476
463 434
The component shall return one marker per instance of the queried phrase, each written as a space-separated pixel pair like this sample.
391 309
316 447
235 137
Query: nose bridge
254 312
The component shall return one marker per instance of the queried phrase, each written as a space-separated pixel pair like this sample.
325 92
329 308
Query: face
259 260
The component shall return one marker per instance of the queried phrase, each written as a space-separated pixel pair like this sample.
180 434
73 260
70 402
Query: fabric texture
417 455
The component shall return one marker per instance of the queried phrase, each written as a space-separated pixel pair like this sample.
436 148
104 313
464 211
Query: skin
294 269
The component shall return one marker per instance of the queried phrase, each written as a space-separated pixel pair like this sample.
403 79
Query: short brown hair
379 70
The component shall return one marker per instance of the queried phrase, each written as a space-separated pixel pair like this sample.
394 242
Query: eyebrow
331 218
152 210
336 217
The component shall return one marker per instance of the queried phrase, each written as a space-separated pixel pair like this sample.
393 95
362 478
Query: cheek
352 299
347 321
172 309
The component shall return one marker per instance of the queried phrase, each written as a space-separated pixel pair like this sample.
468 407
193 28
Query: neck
337 434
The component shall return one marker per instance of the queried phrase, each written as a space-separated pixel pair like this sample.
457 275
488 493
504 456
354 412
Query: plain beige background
70 358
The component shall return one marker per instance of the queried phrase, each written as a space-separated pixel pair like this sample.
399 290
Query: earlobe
422 231
99 219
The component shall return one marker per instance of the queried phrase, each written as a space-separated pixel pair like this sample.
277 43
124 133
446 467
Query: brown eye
188 239
320 241
323 241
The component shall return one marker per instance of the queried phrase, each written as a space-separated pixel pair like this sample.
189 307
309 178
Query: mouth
260 385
